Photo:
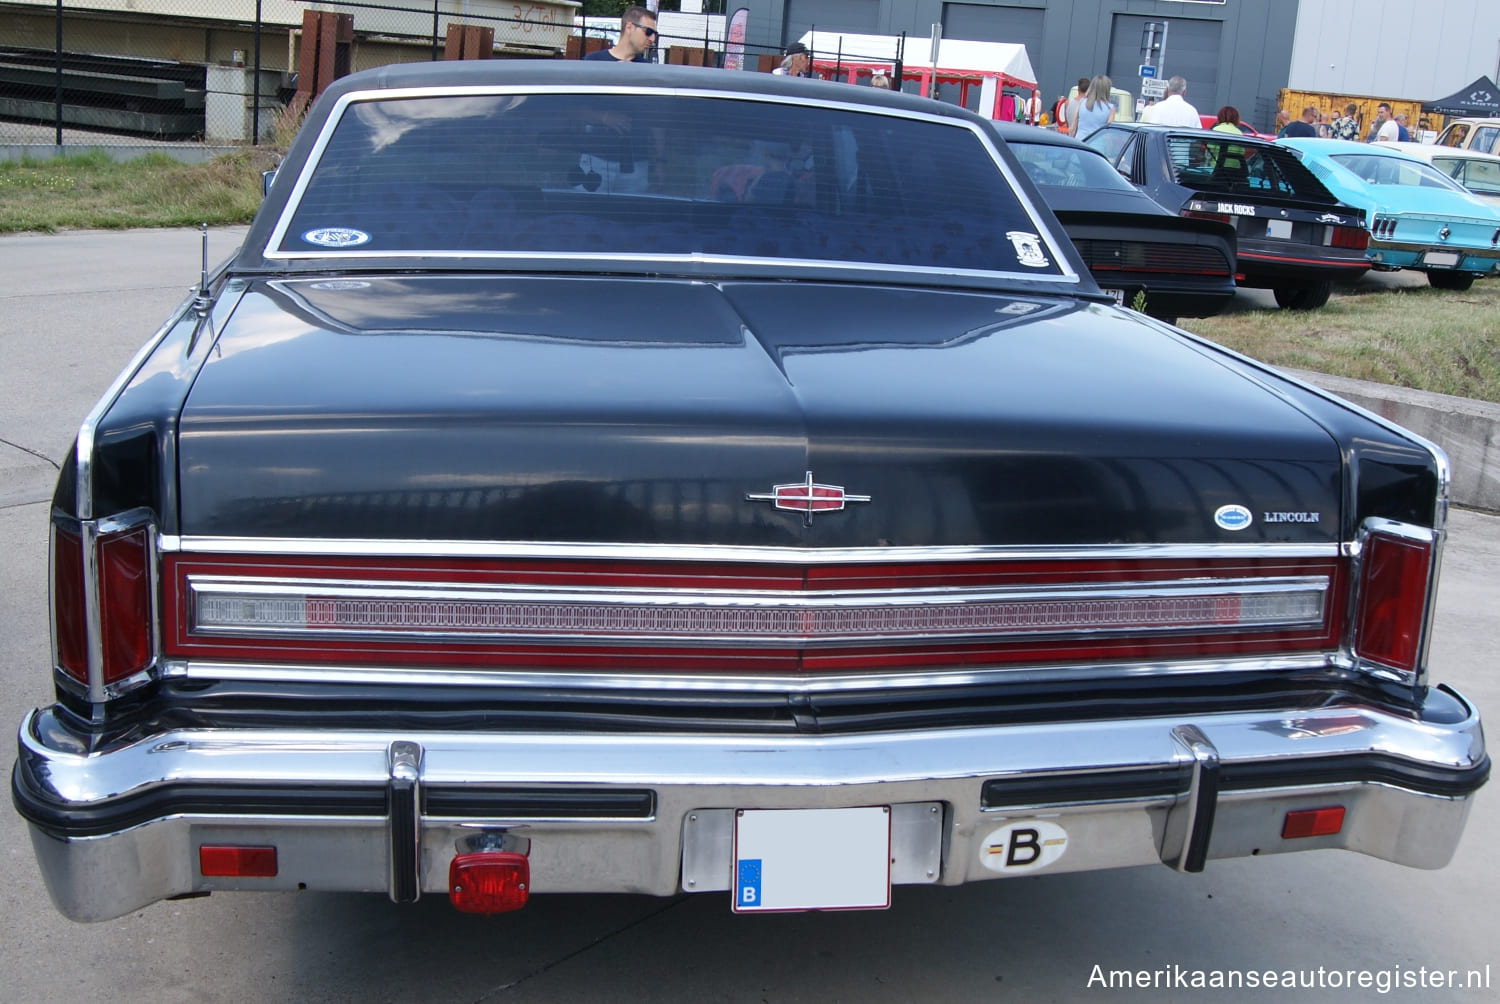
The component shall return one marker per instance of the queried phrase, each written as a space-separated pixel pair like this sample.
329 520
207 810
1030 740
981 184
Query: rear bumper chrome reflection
653 813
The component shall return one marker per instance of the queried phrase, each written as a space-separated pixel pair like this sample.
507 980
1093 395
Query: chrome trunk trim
502 549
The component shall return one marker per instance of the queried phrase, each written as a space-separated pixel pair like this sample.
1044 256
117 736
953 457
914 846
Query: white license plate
1440 259
1118 294
812 859
1280 229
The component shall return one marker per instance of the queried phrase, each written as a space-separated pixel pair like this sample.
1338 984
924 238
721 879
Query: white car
1478 172
1472 134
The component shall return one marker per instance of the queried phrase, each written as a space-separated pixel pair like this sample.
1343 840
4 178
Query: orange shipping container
1332 105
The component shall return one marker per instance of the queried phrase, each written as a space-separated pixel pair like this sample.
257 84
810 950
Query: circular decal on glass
336 237
1233 517
1023 846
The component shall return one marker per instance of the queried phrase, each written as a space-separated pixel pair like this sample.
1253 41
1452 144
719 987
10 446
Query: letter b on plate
1023 846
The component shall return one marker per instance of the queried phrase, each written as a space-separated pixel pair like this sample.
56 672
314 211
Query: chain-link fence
199 75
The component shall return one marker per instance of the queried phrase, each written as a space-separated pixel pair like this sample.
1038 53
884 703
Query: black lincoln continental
594 478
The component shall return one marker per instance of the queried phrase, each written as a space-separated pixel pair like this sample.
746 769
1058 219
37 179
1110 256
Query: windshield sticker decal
1233 517
1028 249
336 237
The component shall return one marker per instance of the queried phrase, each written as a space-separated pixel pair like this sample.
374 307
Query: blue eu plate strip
747 882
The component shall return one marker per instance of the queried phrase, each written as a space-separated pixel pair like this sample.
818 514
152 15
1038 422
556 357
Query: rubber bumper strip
403 829
1202 797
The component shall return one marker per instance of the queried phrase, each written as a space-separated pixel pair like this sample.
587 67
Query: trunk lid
647 410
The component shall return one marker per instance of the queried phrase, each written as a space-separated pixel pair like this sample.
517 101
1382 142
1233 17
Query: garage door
859 16
980 23
994 24
1192 53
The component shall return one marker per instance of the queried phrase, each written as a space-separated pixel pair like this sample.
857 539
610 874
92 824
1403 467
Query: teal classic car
1418 217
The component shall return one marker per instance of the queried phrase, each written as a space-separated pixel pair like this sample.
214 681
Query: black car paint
860 385
968 421
1128 216
1263 262
970 415
465 401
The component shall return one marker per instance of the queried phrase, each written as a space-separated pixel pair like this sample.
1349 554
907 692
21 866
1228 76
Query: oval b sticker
1023 846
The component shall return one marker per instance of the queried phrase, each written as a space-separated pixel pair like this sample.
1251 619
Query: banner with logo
734 43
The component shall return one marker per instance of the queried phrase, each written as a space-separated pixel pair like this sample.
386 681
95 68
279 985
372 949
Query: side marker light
237 862
1313 823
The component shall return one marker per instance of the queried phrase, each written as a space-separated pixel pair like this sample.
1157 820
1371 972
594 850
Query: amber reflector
489 882
237 862
1313 822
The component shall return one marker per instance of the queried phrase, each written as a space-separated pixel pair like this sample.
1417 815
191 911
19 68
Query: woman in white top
1096 110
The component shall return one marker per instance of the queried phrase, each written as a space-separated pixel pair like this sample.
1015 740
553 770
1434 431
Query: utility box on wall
229 104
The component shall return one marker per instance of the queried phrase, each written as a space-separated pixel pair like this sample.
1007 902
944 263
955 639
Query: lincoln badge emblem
808 497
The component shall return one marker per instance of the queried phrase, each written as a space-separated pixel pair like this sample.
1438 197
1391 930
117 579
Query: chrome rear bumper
653 813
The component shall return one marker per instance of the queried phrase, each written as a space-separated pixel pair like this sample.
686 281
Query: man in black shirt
1303 126
637 36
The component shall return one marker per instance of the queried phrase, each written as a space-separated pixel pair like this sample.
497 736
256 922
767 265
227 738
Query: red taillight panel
70 616
489 882
119 592
694 617
1393 581
1354 238
125 603
1194 214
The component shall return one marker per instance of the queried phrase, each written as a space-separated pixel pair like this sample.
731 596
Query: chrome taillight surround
1380 647
94 655
311 608
784 610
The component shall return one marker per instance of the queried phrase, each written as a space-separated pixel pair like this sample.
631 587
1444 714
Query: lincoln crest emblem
807 497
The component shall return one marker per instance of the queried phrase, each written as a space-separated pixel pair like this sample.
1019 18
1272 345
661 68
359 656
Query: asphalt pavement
75 307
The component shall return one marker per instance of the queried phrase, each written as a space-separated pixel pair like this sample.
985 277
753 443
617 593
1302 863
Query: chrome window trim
702 606
272 252
715 683
733 553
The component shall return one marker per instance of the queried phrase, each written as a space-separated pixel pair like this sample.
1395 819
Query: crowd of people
1079 114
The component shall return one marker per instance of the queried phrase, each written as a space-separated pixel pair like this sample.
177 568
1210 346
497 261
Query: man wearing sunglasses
637 36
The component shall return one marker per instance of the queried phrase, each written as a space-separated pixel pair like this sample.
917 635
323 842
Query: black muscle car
637 479
1172 266
1295 237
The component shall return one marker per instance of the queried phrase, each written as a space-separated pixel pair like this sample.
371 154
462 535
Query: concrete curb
1468 430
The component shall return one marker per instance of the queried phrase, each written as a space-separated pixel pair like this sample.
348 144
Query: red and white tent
987 65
